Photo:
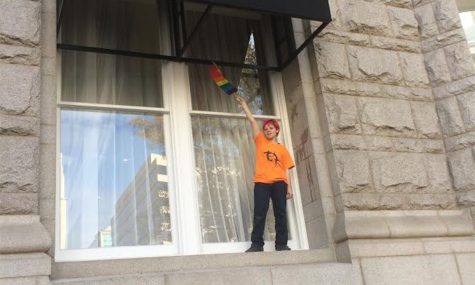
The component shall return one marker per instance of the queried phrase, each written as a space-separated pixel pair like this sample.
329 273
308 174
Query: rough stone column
452 76
23 239
384 142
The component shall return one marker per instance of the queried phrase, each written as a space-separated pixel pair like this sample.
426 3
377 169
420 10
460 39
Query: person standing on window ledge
271 181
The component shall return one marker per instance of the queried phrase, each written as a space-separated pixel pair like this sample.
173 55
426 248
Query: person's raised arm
255 127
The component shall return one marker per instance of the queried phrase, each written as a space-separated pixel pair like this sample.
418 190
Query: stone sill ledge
370 248
84 269
402 224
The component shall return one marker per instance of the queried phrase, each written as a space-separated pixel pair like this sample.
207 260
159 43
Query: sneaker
282 247
255 248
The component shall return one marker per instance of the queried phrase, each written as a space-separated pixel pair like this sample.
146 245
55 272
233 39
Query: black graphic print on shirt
272 156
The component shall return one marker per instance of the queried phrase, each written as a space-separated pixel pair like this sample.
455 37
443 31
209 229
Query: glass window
110 79
224 154
130 25
223 142
119 152
114 181
232 37
468 23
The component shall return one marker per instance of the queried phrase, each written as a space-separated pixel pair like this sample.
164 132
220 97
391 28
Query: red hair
272 122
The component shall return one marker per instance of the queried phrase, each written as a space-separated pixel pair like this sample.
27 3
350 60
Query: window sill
84 269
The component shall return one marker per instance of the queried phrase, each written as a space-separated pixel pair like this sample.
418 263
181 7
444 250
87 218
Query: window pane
468 23
233 39
139 26
224 154
110 79
253 85
224 34
114 181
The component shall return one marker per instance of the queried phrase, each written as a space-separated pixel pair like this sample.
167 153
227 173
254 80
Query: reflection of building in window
105 237
142 211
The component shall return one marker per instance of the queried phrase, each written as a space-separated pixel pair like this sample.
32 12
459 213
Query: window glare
468 23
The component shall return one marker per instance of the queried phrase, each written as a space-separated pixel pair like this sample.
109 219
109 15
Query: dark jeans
276 191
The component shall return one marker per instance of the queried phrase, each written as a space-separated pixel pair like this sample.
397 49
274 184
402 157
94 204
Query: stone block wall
452 77
383 131
394 83
19 106
23 239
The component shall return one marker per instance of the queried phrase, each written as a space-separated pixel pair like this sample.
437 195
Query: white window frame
62 255
177 112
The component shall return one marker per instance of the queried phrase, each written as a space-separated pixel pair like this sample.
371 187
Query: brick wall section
383 132
452 77
19 106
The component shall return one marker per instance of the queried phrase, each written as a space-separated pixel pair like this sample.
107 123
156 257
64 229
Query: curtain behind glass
108 79
232 39
131 25
224 154
114 181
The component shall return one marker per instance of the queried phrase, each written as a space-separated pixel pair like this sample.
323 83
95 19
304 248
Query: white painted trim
296 219
188 216
172 174
238 247
120 252
57 217
183 194
231 115
130 109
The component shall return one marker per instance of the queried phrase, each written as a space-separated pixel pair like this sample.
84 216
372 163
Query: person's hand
290 194
239 99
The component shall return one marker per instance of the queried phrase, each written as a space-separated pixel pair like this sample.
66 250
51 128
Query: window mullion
295 211
188 222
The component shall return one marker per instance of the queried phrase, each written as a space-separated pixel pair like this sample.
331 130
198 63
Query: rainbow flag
222 82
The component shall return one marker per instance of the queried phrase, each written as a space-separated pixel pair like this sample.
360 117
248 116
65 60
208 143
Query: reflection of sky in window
101 154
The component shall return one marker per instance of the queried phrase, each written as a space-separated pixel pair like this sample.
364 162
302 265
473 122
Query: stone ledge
416 269
402 224
24 265
85 269
21 234
322 273
406 247
41 280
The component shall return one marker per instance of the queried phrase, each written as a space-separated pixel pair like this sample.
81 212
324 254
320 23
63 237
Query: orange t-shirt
272 161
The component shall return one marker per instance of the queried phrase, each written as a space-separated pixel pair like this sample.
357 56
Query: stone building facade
381 110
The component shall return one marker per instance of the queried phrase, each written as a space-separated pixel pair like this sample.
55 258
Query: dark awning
184 32
317 10
281 12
